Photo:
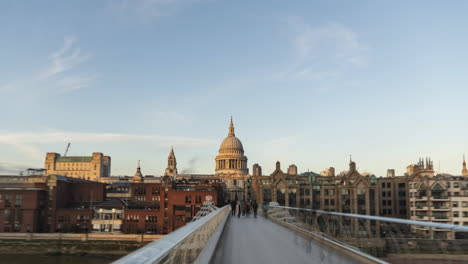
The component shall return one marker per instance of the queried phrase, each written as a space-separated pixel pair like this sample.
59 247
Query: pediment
437 187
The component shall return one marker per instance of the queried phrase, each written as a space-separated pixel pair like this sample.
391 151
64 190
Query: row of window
435 194
9 198
188 199
448 184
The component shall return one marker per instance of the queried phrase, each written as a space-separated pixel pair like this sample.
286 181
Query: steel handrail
158 250
381 218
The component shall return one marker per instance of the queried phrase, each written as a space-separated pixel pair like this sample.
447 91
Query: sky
307 83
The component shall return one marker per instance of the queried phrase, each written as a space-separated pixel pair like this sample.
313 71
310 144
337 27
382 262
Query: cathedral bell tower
171 169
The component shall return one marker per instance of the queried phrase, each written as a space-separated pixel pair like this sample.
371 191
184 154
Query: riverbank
68 247
57 259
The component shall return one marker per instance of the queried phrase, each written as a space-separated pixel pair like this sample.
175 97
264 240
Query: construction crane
66 151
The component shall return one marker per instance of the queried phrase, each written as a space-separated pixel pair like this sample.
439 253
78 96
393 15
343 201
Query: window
332 192
448 184
326 192
454 204
389 194
464 204
455 185
465 214
7 199
140 191
19 199
388 185
198 199
456 214
188 199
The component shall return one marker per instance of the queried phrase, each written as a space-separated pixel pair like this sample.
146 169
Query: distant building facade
92 168
63 204
439 198
231 165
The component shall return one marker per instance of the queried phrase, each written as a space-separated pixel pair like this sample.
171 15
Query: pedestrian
233 208
238 209
243 208
255 208
247 209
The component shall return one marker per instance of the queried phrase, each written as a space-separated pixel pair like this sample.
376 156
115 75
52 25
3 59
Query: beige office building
94 168
438 198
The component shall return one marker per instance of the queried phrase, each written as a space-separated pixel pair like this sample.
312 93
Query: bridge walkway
257 240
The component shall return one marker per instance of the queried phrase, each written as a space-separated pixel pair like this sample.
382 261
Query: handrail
380 218
158 250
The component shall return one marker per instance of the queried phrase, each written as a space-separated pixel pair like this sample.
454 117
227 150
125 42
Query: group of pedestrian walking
244 208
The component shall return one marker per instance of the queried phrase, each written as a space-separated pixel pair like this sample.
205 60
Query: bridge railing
192 243
379 239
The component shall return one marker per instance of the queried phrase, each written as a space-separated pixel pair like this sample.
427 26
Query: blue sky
307 82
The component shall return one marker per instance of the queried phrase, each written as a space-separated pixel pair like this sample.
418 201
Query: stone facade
93 168
231 165
171 169
438 198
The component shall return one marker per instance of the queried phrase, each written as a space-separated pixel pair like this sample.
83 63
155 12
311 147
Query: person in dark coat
238 209
255 208
233 208
243 207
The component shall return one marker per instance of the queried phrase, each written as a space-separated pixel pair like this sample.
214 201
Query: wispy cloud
72 83
324 52
147 9
65 59
26 142
62 67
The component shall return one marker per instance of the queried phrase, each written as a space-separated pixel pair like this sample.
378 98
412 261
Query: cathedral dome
231 145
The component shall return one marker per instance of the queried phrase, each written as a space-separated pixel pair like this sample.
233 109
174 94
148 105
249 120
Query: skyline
307 84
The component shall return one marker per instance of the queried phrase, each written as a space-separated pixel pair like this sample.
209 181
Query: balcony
421 208
422 217
440 197
440 218
440 208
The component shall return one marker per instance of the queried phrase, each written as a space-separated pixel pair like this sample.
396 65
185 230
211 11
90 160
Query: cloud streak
65 59
147 9
324 52
26 142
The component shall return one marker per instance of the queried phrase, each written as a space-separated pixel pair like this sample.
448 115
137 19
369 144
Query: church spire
171 169
138 177
231 129
464 170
